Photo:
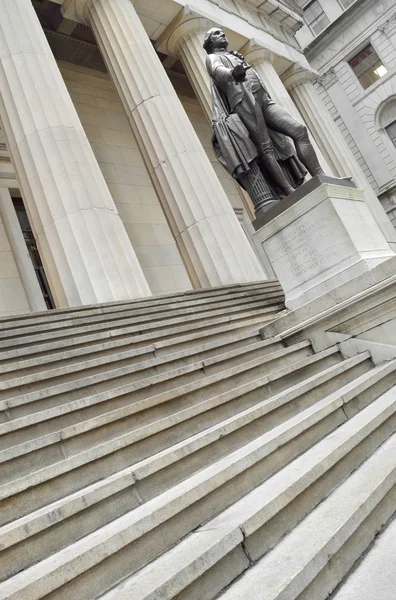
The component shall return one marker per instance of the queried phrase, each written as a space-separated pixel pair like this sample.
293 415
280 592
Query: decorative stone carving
327 79
389 25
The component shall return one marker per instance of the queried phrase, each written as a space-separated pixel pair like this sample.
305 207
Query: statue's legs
252 117
278 119
258 189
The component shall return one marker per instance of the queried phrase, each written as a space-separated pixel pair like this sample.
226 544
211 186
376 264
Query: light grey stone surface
323 241
375 576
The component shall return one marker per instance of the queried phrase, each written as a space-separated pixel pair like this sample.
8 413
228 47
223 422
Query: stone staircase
161 449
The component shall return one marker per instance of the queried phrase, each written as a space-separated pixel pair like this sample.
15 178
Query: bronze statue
251 134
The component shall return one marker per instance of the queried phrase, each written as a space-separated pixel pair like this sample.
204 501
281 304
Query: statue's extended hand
239 72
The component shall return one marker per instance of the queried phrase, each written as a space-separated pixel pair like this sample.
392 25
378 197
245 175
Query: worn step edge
86 382
116 346
179 324
217 327
139 323
67 564
99 421
57 511
285 573
176 569
142 315
187 296
114 372
20 485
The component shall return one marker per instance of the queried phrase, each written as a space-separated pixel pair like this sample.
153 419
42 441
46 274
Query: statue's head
215 38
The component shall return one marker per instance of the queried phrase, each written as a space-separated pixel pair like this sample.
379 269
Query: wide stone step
188 407
37 489
144 380
31 335
99 560
54 322
142 335
188 298
130 365
212 557
141 315
319 552
70 518
117 350
374 577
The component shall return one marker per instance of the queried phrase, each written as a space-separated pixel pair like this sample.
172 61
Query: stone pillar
211 241
262 60
183 38
331 142
83 244
20 252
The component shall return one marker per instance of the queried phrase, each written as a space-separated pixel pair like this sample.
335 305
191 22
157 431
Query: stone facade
360 114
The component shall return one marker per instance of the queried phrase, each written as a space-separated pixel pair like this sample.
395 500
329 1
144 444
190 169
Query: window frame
309 25
354 54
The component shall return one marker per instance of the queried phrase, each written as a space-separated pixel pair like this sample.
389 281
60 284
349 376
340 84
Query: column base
321 241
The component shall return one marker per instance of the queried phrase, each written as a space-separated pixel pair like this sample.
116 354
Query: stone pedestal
322 241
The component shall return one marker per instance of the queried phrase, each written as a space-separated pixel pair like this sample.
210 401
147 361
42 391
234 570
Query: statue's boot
273 169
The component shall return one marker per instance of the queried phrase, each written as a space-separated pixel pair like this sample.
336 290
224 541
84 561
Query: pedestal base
323 240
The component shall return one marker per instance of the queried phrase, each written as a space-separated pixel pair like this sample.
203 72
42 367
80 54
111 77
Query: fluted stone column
212 243
262 60
83 244
331 142
184 38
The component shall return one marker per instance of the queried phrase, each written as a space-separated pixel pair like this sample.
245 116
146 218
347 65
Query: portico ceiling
157 14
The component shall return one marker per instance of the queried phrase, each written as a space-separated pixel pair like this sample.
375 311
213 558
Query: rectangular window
367 66
316 17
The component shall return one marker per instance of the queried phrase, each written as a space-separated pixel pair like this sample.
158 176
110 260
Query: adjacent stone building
352 44
109 188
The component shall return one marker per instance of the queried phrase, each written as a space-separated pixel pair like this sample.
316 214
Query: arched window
386 118
391 131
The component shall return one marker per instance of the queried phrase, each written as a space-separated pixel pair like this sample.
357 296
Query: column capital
255 53
185 24
297 75
76 10
328 79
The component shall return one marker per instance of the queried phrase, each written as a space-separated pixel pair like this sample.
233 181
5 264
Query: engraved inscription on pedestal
308 247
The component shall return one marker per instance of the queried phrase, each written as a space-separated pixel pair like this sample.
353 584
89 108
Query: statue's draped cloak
235 150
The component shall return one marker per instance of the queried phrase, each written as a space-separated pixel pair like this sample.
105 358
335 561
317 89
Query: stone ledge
298 195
